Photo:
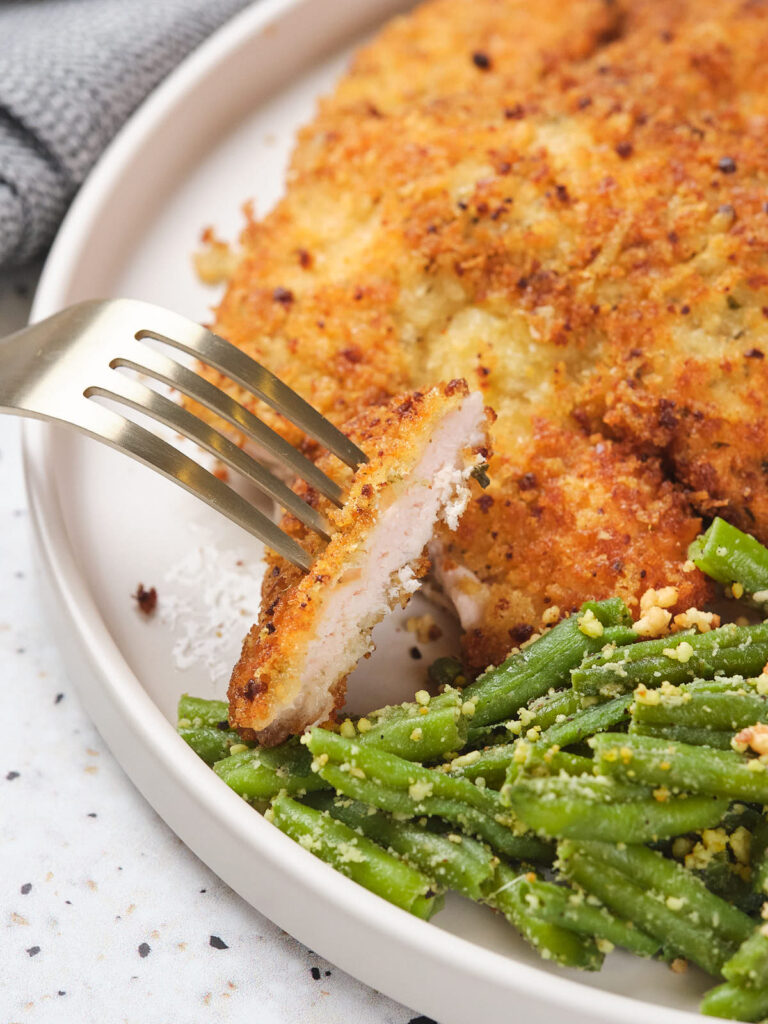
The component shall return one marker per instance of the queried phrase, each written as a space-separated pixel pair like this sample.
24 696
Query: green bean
493 763
392 784
723 684
393 771
726 860
446 671
561 905
545 711
211 743
537 759
453 861
759 858
680 767
735 1003
545 663
587 722
727 711
683 734
204 726
263 772
671 881
761 877
552 942
600 808
758 853
748 967
355 856
719 874
678 935
730 556
728 650
194 712
418 731
490 764
496 833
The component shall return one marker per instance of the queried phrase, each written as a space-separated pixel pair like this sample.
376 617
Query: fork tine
195 340
144 446
168 371
145 400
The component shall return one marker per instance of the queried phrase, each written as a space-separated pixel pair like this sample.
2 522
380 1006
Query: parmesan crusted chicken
314 629
566 203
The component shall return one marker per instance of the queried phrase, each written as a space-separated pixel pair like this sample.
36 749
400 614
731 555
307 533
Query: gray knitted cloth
71 71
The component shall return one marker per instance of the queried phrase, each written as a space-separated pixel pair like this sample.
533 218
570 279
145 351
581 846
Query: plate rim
84 637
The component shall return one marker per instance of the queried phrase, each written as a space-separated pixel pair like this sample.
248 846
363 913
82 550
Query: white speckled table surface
106 916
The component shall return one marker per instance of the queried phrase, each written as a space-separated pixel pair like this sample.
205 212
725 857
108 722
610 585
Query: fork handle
28 354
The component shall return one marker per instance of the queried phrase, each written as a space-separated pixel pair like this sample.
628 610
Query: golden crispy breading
578 516
564 203
314 627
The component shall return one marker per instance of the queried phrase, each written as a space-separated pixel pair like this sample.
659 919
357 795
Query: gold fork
54 369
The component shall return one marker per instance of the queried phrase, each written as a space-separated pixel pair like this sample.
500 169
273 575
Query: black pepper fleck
481 60
92 814
315 972
223 726
415 653
59 698
33 950
61 992
144 949
327 974
217 943
11 776
624 150
26 888
726 164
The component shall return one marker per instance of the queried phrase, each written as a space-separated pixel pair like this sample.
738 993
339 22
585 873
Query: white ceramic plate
217 132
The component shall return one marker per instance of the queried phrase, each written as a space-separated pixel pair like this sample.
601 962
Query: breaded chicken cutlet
566 203
315 627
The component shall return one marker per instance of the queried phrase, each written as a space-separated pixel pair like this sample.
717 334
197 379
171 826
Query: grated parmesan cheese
214 593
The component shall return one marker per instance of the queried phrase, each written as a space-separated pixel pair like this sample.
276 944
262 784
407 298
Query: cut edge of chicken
381 568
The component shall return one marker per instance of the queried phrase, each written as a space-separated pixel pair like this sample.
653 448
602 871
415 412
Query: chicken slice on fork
314 628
